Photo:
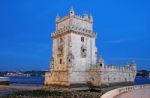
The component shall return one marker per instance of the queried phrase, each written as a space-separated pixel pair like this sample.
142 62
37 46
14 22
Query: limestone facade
74 59
109 74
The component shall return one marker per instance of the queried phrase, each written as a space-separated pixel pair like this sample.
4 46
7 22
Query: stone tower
74 50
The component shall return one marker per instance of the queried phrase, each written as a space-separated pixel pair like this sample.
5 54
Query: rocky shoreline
50 92
54 94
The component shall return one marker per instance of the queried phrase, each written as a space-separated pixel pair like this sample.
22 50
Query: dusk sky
122 26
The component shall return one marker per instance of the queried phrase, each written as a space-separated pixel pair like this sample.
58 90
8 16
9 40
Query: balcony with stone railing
74 29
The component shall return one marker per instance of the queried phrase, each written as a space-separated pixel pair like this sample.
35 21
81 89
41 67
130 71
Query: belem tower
75 62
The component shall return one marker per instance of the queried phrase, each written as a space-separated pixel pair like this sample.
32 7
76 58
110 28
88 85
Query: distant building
75 61
10 74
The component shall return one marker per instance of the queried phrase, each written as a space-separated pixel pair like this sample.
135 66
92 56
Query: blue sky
123 28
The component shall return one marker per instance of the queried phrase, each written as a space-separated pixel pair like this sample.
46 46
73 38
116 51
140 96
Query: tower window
60 61
82 50
101 65
82 39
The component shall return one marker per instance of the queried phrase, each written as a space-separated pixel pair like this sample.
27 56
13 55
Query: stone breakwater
119 91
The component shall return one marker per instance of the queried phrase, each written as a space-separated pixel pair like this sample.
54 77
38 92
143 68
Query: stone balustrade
73 28
115 92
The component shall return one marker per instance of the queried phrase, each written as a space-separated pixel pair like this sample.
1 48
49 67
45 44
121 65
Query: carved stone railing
73 28
115 92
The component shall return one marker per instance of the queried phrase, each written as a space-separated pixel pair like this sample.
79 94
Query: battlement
84 17
83 22
126 68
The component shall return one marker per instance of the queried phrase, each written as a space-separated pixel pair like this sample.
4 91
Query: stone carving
70 57
60 47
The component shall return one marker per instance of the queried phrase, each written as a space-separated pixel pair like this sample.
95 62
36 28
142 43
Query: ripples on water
39 81
27 81
141 80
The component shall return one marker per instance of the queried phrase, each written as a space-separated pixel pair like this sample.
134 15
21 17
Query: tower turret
72 13
57 18
101 62
91 18
133 65
85 16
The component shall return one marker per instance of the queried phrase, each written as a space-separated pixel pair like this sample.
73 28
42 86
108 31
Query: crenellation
86 18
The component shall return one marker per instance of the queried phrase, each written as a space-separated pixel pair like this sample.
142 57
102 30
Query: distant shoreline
140 73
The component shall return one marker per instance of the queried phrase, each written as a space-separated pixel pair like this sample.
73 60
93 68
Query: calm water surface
39 81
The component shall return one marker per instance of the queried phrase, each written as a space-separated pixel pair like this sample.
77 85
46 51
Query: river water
39 81
26 81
